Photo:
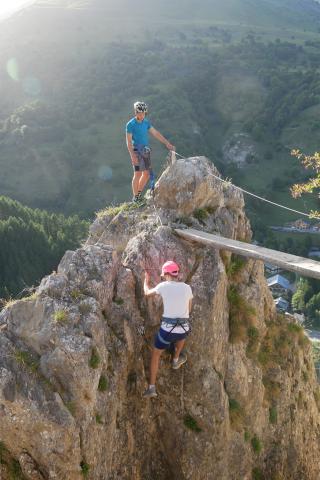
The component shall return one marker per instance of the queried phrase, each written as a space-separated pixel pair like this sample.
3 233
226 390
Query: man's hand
170 146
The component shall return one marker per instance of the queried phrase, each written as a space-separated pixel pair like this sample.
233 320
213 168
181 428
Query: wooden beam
301 265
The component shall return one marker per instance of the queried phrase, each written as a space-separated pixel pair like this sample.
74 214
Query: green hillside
32 244
209 70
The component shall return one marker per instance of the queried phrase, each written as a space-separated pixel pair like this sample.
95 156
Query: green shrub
256 444
103 384
191 423
200 214
257 474
235 266
272 388
76 294
119 301
61 316
85 308
26 360
84 468
253 343
235 412
3 450
94 359
241 315
99 419
273 415
113 210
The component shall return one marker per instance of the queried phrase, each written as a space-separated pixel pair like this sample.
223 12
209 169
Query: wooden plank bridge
302 266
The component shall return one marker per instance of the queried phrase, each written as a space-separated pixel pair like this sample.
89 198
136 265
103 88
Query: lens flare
105 173
13 69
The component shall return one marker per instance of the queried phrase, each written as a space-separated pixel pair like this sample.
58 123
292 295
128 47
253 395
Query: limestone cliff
74 357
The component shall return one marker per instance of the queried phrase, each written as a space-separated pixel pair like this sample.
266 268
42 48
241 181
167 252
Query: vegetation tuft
257 474
256 444
273 415
241 315
201 214
191 423
85 468
119 301
61 316
85 308
94 361
26 359
114 210
103 384
236 413
235 266
99 419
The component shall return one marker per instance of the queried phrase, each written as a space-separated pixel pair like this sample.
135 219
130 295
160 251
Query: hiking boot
181 360
150 393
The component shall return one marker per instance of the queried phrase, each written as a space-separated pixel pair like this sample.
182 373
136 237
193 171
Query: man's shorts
164 339
144 157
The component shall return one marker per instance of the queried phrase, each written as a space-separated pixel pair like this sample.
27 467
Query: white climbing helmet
140 107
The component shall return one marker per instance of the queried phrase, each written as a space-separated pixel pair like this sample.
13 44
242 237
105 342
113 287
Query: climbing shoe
181 360
150 392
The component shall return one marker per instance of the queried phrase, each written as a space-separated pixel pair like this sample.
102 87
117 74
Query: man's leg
154 365
135 182
143 180
178 347
178 359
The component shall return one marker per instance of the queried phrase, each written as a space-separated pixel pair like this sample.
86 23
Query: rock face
74 358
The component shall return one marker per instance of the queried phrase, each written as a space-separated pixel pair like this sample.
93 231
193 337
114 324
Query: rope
254 195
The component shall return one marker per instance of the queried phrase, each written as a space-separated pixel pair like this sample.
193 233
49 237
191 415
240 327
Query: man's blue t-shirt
139 131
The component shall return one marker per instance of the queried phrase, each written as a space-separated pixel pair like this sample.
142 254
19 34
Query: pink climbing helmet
170 267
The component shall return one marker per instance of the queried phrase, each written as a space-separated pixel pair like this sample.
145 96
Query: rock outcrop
74 357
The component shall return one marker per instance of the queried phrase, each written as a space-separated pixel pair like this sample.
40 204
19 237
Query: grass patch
85 308
119 301
71 406
114 210
273 415
201 214
272 388
94 361
103 384
253 343
85 468
76 294
61 316
99 419
256 444
235 266
3 450
257 474
241 315
27 360
235 412
191 423
184 220
316 394
246 436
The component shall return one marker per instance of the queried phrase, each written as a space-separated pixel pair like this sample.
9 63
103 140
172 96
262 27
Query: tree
313 184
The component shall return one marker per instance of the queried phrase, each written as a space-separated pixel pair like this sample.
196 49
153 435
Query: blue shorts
164 339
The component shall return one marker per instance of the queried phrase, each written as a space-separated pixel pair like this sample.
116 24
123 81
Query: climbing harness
253 194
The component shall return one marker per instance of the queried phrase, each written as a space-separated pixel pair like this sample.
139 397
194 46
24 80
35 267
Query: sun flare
10 6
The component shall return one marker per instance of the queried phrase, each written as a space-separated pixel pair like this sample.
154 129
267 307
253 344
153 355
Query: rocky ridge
74 356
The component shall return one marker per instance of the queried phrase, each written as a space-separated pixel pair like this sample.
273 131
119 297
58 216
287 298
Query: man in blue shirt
137 137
